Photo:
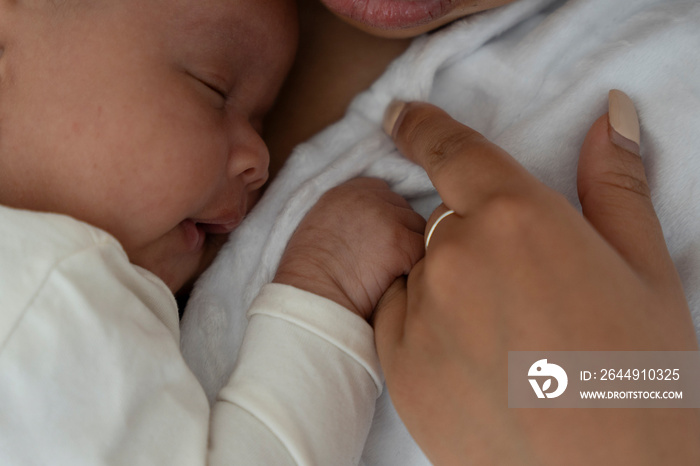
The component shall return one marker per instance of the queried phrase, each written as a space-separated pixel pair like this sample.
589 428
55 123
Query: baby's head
405 18
141 117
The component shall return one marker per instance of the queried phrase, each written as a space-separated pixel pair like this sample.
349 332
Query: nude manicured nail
624 123
391 116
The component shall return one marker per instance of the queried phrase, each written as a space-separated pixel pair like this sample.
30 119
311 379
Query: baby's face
405 18
141 117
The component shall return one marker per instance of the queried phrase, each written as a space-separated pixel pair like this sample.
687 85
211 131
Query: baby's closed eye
211 89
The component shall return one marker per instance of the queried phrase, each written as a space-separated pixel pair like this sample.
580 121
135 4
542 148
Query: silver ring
432 228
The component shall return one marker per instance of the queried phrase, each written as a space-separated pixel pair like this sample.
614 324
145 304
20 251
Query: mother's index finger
464 166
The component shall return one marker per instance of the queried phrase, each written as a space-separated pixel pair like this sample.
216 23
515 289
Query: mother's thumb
613 189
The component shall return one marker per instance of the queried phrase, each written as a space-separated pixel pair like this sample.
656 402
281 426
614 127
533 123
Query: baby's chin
173 259
181 271
175 270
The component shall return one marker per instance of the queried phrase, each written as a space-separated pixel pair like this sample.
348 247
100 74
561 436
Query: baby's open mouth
195 232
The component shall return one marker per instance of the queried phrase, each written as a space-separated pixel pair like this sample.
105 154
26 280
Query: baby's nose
249 158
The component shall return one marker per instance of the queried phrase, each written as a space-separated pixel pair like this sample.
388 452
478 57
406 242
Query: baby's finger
366 182
465 167
411 219
380 189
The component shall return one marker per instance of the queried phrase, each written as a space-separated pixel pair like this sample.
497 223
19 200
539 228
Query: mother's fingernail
391 116
624 123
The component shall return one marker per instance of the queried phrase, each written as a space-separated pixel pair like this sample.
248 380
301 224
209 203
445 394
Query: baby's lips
220 228
225 222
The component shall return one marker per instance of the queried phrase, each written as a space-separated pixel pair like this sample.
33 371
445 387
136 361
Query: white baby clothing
91 370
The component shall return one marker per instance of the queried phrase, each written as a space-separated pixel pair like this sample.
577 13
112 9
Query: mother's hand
517 268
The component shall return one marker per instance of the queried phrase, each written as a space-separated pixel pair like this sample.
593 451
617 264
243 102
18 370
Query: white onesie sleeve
308 372
91 372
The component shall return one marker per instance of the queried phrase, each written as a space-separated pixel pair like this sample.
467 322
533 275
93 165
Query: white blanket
531 76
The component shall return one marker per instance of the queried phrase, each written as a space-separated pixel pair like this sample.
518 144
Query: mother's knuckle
508 215
445 146
417 119
630 182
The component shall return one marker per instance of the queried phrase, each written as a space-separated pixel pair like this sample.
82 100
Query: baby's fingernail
391 116
624 123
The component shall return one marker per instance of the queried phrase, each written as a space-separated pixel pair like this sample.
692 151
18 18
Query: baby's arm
308 376
91 371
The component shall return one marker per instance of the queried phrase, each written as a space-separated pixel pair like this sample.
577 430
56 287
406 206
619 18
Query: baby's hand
353 243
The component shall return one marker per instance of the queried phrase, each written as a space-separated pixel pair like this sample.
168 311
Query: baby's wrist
319 285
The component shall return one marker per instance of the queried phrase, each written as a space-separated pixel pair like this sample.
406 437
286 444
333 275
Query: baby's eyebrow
201 27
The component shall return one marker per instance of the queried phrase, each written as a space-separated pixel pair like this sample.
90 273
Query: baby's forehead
244 27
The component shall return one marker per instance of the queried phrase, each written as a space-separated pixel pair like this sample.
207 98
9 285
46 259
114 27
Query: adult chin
405 18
